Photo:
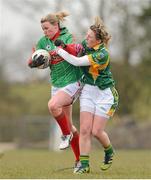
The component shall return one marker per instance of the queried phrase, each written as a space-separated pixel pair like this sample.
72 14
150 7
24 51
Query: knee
97 132
52 106
85 131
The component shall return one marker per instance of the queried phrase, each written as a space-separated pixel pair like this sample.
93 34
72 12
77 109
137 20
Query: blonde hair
55 17
100 30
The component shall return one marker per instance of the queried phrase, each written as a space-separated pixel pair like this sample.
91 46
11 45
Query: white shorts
74 90
99 102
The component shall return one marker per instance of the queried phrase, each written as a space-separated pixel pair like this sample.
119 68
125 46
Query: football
41 57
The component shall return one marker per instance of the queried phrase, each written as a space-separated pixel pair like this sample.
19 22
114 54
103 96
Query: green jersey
98 73
62 73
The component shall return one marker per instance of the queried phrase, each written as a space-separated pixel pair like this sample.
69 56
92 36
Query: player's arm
76 61
73 49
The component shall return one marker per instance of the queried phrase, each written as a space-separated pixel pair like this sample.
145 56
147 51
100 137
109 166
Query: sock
109 150
63 123
84 159
75 145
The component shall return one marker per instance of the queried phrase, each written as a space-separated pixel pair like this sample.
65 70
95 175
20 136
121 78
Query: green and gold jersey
62 73
98 73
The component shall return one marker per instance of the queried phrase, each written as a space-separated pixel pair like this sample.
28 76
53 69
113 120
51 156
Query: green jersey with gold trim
98 73
62 73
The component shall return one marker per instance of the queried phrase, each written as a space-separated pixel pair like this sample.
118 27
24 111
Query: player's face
49 29
91 39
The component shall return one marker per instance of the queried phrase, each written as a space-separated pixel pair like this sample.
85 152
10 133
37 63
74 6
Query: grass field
41 164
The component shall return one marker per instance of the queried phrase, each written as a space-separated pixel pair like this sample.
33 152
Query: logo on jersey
48 47
100 56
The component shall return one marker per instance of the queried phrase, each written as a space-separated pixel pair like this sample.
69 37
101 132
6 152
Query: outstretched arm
74 49
76 61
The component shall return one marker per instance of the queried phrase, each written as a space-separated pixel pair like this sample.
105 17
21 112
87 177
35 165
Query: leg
63 97
58 101
68 113
99 125
87 110
105 102
86 120
55 105
75 140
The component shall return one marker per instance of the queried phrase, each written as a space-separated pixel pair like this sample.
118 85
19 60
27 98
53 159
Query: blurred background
24 92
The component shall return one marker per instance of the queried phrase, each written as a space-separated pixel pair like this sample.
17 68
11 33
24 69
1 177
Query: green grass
46 164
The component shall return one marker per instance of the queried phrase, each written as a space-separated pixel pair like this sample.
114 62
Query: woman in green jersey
99 97
65 80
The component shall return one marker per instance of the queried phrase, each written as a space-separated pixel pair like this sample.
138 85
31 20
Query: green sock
84 159
109 150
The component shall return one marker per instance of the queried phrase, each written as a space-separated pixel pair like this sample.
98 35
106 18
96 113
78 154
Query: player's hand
36 62
59 42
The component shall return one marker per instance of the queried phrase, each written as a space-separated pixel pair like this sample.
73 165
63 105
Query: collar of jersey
56 36
98 46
